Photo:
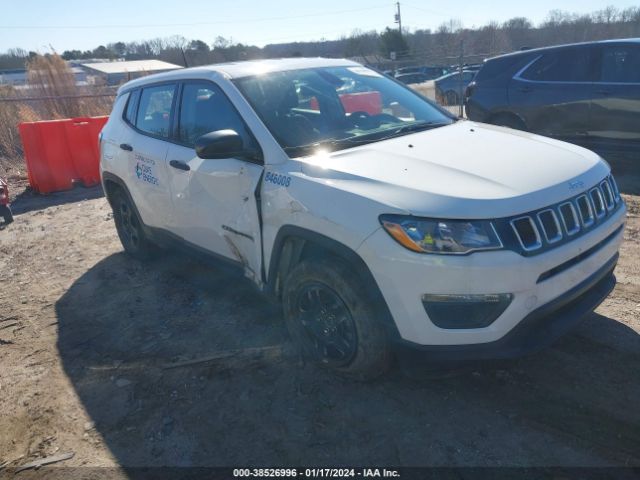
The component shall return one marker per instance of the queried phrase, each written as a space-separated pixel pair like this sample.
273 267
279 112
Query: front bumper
537 330
404 277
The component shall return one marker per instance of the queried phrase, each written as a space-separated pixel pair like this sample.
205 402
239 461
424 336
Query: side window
205 108
154 112
565 65
132 106
620 64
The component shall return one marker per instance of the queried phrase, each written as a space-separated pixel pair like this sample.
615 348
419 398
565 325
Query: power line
335 32
220 22
426 10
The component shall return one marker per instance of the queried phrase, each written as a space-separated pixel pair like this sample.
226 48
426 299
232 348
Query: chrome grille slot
527 233
585 210
616 191
608 194
546 228
569 218
550 225
598 202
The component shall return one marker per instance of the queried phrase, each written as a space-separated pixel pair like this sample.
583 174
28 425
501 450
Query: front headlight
432 235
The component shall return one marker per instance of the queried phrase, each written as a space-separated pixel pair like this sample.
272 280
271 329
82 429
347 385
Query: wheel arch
493 116
110 184
294 244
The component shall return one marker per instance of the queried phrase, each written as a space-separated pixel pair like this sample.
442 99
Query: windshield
336 108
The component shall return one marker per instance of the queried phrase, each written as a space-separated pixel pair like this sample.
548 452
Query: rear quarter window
131 107
501 68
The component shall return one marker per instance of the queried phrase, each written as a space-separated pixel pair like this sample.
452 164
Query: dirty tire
348 313
129 227
5 212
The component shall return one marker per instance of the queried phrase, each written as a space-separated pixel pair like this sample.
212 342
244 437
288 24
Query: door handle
126 146
180 165
526 89
603 92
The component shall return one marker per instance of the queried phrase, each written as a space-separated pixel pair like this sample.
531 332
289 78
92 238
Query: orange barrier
59 153
369 102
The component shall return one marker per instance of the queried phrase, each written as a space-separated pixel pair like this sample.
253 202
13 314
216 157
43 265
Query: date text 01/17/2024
315 473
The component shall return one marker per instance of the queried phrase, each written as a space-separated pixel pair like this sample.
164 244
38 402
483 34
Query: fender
288 247
497 113
110 177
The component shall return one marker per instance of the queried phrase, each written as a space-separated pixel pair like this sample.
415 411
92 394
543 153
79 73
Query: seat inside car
295 127
211 114
277 101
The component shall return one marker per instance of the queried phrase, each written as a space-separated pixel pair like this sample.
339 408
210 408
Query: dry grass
52 82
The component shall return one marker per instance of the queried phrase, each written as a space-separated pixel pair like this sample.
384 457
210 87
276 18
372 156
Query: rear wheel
129 228
330 317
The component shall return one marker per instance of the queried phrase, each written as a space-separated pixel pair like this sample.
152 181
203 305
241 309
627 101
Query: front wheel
330 317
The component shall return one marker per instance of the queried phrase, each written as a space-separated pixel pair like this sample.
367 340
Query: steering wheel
362 119
387 118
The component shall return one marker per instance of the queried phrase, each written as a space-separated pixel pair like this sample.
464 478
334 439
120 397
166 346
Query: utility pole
399 18
460 81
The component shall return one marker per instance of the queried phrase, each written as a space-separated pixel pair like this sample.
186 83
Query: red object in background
59 153
370 102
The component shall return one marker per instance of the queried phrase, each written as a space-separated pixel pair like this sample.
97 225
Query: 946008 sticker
277 179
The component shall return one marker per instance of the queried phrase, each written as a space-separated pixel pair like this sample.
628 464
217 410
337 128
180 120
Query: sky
41 25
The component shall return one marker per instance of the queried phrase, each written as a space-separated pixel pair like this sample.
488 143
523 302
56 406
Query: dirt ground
91 345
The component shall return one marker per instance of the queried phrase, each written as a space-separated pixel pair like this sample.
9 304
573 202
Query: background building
114 73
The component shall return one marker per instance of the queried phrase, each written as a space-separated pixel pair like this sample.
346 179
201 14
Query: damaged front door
214 202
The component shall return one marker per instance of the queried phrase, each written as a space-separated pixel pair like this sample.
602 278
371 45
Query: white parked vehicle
378 219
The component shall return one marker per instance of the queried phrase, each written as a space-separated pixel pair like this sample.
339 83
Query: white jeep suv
378 219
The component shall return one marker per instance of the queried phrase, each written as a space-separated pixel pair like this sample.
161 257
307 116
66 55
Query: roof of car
244 69
551 47
453 74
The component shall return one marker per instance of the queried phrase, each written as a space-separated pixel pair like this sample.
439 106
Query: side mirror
219 144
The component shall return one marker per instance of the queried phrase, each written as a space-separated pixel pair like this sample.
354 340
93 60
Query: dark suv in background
588 93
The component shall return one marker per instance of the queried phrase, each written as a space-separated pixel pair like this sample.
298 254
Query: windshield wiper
418 127
413 128
333 144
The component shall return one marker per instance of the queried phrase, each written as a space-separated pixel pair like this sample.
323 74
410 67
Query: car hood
464 170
